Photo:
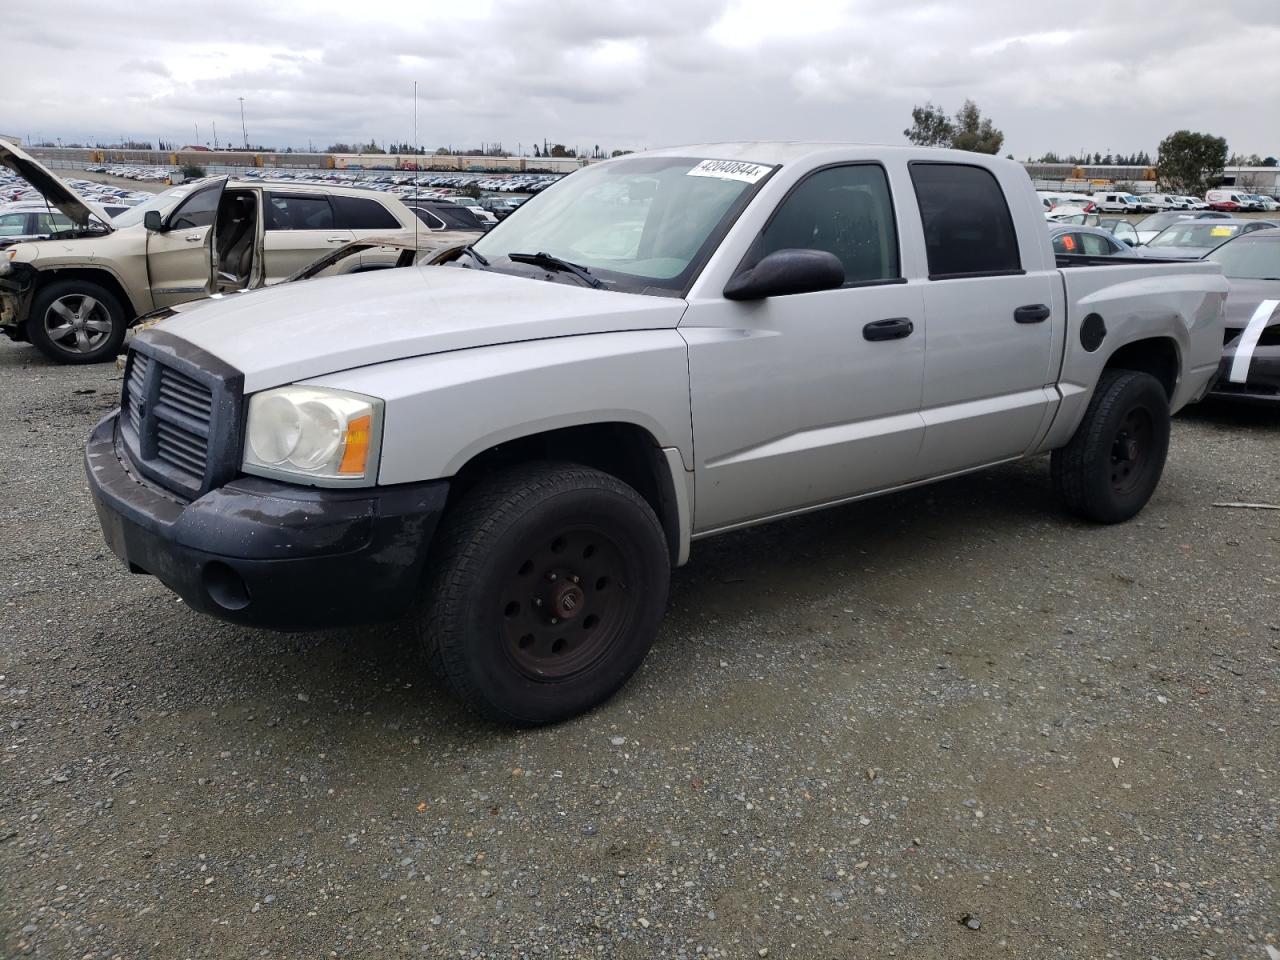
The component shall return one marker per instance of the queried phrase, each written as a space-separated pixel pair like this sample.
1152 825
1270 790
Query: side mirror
153 221
785 272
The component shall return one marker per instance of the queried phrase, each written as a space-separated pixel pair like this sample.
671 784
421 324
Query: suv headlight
328 437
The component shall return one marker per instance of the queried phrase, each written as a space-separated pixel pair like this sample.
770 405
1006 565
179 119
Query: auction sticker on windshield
730 170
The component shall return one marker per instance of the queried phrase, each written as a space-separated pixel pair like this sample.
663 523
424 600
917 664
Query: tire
546 592
89 335
1110 468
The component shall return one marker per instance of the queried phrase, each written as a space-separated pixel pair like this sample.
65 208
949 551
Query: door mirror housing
153 221
785 272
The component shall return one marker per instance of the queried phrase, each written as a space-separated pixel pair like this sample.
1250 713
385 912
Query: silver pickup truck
517 446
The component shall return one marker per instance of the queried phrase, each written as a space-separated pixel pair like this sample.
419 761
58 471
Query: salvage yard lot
857 729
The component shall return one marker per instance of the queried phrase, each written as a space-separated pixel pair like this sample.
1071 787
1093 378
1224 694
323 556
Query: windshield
1249 258
164 202
640 224
1158 221
1195 233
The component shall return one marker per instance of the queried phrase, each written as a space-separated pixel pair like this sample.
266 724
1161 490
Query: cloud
627 74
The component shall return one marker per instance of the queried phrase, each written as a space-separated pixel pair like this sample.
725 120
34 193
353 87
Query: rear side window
1066 243
967 226
1096 246
357 213
297 212
844 211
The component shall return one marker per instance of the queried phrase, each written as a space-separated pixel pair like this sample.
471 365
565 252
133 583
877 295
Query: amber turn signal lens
356 453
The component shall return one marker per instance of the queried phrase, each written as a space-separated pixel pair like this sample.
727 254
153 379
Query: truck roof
790 151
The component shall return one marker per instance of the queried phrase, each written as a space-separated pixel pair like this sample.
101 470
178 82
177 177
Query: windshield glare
1195 233
1158 221
164 202
638 223
1249 258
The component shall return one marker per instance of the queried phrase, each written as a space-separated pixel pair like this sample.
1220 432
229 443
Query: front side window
843 210
968 229
198 210
1096 246
638 224
296 212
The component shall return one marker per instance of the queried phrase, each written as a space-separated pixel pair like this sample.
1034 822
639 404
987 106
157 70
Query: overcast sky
1112 75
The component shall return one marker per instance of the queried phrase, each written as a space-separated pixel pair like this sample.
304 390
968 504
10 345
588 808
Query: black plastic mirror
785 272
153 221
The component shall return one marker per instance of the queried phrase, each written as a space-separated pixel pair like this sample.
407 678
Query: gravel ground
949 723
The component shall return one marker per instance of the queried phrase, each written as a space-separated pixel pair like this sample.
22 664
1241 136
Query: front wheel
76 321
546 593
1110 468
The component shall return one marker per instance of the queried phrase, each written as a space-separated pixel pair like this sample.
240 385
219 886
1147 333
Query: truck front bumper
264 553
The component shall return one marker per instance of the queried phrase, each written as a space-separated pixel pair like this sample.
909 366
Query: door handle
893 329
195 238
336 239
1031 313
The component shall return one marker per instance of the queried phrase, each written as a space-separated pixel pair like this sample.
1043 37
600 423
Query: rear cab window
968 229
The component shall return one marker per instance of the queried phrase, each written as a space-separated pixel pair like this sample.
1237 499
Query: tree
620 153
1270 162
339 148
1191 163
930 127
967 130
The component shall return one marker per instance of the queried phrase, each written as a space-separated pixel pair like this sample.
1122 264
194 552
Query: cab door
179 256
993 305
807 399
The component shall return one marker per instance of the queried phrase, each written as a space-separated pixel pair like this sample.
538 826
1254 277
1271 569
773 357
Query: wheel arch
621 449
100 275
1158 356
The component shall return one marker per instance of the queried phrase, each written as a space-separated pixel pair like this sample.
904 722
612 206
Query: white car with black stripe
1250 367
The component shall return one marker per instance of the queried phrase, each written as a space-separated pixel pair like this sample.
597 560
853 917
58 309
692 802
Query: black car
1250 368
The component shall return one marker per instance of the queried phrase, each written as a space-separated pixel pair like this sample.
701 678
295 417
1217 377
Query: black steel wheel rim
1131 451
566 602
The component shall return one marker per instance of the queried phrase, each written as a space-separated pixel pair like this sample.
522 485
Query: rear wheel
1111 466
76 321
546 593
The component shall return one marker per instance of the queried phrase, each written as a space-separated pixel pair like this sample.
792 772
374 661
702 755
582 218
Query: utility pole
242 130
215 134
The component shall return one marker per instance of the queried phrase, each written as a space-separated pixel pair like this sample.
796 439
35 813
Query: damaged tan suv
73 296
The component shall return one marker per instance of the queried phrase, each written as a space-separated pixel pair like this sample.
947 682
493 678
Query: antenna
416 218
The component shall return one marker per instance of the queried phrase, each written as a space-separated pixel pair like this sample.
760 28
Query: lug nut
537 601
551 576
555 620
574 578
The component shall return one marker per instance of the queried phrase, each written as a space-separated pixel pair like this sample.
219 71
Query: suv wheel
546 592
1111 466
76 321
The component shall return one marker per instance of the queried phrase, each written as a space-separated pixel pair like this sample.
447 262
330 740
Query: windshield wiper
552 262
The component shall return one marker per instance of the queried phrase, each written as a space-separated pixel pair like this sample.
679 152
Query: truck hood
51 187
292 332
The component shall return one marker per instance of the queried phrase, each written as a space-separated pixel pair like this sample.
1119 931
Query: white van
1229 200
1118 203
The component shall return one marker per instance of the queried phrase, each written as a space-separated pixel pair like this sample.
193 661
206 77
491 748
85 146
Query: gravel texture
949 723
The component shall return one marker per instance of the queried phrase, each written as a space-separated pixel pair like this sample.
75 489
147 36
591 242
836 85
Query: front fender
444 409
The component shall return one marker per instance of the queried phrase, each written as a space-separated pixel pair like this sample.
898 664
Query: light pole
242 130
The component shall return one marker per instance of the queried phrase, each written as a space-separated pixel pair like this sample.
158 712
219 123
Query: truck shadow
1230 415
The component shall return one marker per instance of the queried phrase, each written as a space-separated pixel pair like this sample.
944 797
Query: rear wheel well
101 277
1157 356
622 450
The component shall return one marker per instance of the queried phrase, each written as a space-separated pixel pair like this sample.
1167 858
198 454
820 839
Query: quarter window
357 213
967 226
1096 246
843 210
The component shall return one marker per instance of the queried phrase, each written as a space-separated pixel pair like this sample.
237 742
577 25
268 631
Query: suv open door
180 247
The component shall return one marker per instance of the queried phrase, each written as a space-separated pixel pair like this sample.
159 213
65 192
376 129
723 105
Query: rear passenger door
366 218
987 377
297 229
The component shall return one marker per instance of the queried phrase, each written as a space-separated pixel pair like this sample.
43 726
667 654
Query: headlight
312 433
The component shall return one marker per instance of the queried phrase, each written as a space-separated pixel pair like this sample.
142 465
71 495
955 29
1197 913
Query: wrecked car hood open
51 187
